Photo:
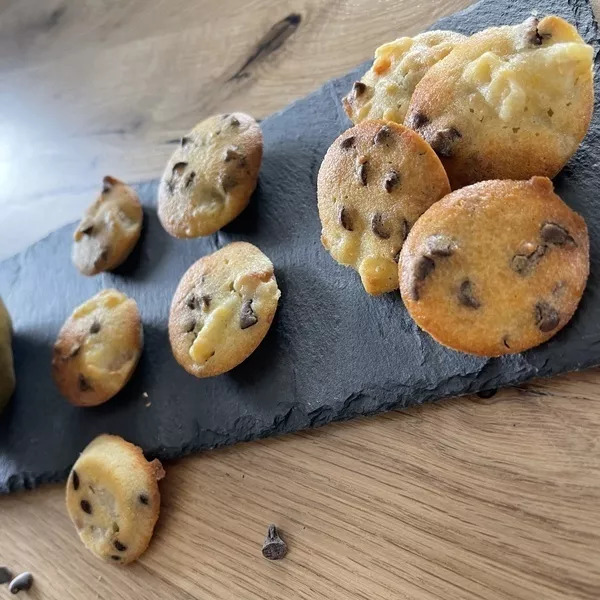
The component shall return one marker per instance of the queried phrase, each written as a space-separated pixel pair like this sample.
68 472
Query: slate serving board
333 352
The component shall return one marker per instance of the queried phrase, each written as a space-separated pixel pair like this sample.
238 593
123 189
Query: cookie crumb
274 548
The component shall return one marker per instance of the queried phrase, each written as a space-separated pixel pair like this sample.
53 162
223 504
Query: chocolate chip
417 120
443 141
107 184
523 264
95 328
190 179
274 548
84 384
378 227
192 302
189 325
5 575
120 547
247 315
87 230
115 527
505 342
361 172
348 142
382 135
423 268
179 168
75 480
392 179
185 141
143 498
24 581
404 229
546 317
466 296
86 507
440 245
551 233
345 219
206 301
234 122
231 154
358 88
228 182
115 557
532 35
486 394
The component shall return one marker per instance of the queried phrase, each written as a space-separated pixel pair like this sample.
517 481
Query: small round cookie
385 90
496 267
222 309
7 371
209 179
98 348
375 181
509 103
109 229
113 499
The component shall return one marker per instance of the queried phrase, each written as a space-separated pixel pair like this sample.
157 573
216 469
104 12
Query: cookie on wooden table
113 498
375 181
496 267
509 103
7 371
210 177
98 348
385 90
222 309
109 229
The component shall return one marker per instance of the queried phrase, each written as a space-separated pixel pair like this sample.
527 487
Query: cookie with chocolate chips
210 177
496 267
109 230
98 348
222 309
375 181
385 90
508 103
113 499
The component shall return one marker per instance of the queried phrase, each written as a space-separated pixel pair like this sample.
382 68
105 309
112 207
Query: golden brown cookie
7 371
375 181
222 309
209 179
496 267
98 348
509 103
109 229
113 498
385 90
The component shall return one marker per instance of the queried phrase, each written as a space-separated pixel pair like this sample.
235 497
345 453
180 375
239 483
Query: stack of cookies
498 265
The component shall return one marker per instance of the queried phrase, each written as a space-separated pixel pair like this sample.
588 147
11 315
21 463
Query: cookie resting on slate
113 498
496 267
210 177
222 309
109 230
511 102
7 371
385 90
98 348
375 181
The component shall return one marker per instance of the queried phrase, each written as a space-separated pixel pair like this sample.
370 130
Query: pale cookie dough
375 181
209 179
98 348
509 103
109 229
7 371
496 267
222 309
113 499
385 90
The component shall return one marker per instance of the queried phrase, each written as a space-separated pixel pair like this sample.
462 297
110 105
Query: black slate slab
332 353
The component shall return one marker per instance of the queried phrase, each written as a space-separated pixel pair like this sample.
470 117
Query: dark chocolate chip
120 547
345 219
95 328
546 317
185 141
348 142
75 480
532 34
505 341
274 548
247 315
551 233
392 179
231 154
190 179
143 498
466 296
358 88
382 135
115 557
404 229
378 227
440 245
423 267
523 264
361 172
234 122
5 575
228 182
206 301
179 168
192 302
443 141
86 507
417 120
84 384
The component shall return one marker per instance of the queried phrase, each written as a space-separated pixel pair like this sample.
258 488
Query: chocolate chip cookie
222 309
113 499
386 88
109 229
375 181
508 103
210 177
7 371
496 267
98 348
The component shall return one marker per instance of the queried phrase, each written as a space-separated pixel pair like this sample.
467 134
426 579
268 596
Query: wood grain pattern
495 499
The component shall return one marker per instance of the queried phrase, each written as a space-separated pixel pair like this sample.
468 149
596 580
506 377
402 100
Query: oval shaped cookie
496 267
109 230
98 348
509 103
209 179
113 498
222 309
385 90
7 371
375 181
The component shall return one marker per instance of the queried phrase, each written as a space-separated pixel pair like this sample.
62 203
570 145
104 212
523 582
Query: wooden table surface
468 498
